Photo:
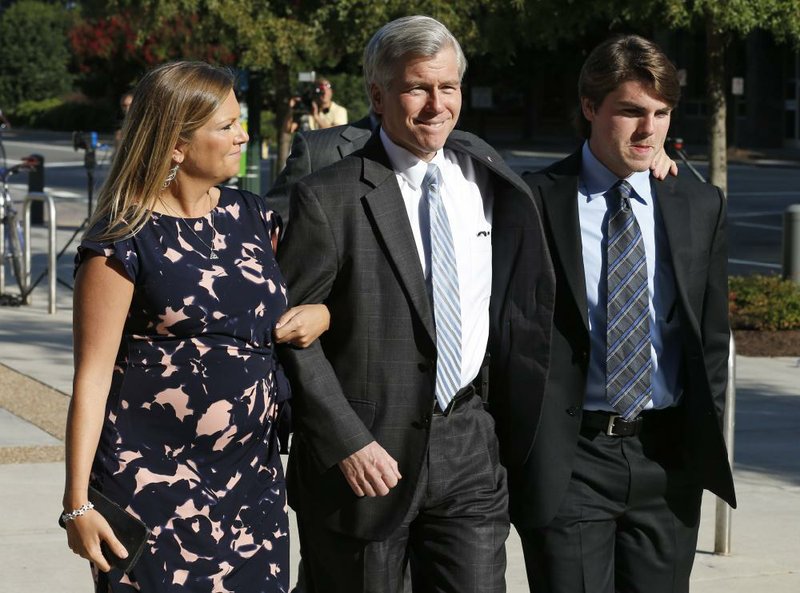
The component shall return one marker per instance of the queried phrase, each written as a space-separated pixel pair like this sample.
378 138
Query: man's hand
370 471
662 165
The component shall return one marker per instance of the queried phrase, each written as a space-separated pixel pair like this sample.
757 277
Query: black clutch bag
129 530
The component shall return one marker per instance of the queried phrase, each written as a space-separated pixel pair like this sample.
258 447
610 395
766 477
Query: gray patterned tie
628 364
446 300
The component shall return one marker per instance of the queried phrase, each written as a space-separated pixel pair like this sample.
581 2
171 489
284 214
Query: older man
394 457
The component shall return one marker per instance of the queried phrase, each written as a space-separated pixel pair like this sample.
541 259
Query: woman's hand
301 325
84 535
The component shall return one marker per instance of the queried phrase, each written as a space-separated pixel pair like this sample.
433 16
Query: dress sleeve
272 220
122 250
275 227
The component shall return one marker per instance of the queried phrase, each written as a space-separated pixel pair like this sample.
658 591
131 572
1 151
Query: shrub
60 115
764 303
33 52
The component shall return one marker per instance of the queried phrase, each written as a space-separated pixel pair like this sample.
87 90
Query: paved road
759 193
35 375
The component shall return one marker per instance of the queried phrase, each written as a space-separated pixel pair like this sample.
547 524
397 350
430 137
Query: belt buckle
610 427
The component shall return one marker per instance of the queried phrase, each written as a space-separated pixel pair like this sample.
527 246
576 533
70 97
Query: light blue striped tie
628 364
446 300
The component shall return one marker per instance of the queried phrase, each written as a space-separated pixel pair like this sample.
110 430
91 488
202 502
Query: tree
34 57
549 22
111 54
280 39
722 22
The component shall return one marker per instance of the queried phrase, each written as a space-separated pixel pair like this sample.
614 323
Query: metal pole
791 243
722 531
252 177
2 248
51 246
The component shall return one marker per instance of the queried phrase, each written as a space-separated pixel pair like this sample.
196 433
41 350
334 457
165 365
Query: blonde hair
169 104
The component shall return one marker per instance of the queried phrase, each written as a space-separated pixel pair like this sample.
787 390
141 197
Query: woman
176 387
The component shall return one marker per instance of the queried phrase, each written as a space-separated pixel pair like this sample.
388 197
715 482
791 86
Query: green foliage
57 114
28 114
33 52
764 303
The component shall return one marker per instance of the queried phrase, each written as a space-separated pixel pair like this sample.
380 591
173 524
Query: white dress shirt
466 194
665 351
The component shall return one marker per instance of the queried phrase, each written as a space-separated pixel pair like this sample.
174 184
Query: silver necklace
212 254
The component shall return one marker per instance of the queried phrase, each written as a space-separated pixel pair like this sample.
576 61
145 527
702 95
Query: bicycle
11 236
3 128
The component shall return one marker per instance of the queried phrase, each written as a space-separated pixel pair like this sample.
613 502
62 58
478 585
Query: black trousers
628 522
453 535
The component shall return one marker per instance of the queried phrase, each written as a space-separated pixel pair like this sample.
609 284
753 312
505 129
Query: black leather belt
616 426
463 395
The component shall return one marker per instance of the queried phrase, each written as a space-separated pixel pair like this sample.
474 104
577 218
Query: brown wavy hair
622 59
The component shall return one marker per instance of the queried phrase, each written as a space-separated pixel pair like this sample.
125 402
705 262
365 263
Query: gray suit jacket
371 376
693 216
312 151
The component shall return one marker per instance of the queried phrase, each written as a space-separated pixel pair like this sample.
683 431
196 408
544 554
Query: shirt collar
597 179
410 167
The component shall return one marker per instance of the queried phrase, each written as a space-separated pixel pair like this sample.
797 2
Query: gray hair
408 36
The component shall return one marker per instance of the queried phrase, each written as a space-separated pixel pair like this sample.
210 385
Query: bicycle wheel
14 235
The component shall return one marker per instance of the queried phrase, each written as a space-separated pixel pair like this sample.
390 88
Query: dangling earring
170 177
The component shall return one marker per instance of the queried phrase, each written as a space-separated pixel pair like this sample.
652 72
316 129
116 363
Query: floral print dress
189 442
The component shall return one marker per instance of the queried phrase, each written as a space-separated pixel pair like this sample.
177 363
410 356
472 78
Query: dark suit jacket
694 220
371 376
313 150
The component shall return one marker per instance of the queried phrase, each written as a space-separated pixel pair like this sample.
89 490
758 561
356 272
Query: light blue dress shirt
595 180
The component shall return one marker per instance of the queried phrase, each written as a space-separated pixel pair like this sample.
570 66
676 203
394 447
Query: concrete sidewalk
35 381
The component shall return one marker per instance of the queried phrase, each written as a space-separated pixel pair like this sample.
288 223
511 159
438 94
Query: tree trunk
283 93
717 139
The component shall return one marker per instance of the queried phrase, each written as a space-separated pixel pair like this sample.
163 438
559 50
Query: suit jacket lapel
349 135
459 142
561 209
385 203
675 211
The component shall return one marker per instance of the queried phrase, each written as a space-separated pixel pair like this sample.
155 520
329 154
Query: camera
84 140
303 99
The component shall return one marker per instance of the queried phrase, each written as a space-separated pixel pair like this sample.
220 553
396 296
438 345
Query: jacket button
573 411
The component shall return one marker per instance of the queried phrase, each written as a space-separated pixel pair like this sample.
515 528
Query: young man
606 497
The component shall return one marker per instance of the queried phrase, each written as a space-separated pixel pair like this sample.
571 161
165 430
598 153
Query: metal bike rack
51 246
2 249
722 525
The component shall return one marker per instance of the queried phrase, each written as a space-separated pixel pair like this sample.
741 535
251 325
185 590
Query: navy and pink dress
189 441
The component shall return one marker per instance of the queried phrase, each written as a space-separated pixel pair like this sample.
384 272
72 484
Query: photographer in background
315 112
124 105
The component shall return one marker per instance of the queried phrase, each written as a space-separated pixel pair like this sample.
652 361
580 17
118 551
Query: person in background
314 149
323 113
179 304
124 106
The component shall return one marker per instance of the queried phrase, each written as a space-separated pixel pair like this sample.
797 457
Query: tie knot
619 196
432 177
